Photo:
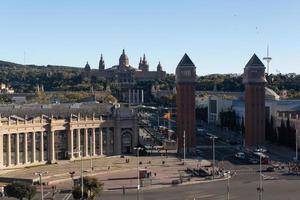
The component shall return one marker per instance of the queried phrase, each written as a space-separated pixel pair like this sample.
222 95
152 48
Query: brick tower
185 104
254 80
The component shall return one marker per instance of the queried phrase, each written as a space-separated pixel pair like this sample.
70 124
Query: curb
170 185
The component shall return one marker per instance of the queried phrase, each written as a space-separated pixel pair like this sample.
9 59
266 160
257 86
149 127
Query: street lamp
40 174
260 188
138 170
228 176
183 147
213 137
296 150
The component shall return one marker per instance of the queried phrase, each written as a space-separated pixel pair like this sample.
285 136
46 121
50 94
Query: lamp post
81 170
260 189
213 138
229 175
183 147
296 150
40 174
138 171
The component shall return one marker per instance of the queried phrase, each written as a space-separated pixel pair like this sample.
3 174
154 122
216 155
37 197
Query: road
241 187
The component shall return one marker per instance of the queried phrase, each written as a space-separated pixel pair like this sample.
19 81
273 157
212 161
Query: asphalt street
241 187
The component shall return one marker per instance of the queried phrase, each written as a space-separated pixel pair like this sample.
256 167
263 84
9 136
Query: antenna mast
268 59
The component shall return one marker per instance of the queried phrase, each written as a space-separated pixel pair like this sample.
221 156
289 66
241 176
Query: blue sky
219 36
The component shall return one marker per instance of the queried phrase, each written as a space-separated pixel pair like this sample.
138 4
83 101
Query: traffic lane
225 159
241 187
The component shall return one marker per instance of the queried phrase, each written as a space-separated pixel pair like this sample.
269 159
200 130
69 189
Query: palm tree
92 189
93 186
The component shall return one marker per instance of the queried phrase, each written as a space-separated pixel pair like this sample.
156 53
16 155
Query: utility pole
40 174
184 147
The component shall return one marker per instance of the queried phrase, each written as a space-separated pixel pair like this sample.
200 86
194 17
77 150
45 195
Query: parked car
261 150
270 169
240 155
253 161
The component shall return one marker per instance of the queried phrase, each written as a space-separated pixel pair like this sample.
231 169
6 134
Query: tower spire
268 60
101 63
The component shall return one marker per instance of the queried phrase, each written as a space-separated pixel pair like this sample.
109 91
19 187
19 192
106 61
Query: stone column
138 96
8 150
33 148
101 141
17 149
86 142
70 144
25 148
1 151
52 146
93 142
107 141
142 96
42 147
117 140
129 96
133 96
78 142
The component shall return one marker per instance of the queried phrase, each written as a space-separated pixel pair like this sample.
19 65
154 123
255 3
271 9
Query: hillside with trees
24 78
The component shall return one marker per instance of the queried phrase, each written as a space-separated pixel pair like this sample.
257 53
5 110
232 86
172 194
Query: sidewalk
161 175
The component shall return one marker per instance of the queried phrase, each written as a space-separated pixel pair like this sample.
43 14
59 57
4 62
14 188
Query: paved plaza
114 172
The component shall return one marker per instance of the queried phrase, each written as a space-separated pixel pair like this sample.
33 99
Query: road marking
47 194
68 196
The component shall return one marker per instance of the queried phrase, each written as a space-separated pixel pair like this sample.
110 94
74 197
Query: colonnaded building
40 134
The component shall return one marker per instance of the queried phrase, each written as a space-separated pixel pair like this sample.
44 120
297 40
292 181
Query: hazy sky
219 36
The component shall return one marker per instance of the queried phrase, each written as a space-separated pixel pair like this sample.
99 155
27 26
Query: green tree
110 99
20 191
93 186
4 98
76 192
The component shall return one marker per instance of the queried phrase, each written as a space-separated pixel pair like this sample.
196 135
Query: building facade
185 104
49 133
124 73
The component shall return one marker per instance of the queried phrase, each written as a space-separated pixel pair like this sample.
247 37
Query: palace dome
123 60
